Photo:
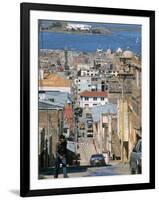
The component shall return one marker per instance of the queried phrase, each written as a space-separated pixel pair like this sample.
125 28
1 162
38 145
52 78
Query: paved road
117 169
85 144
110 170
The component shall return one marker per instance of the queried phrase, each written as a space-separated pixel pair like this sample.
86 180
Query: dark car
90 132
97 160
89 125
78 111
89 121
136 158
88 115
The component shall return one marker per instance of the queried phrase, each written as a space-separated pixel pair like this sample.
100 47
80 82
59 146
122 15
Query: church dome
128 54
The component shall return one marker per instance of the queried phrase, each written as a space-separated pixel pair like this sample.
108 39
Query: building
135 109
54 82
90 72
76 27
83 83
89 99
69 123
105 129
56 96
83 67
50 127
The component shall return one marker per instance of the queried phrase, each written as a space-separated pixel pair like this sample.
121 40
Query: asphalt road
87 171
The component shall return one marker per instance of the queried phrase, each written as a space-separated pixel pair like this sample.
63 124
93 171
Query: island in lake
58 26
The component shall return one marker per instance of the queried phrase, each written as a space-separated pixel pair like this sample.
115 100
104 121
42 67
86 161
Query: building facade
89 99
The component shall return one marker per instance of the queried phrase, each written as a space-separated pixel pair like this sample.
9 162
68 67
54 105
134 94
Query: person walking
61 150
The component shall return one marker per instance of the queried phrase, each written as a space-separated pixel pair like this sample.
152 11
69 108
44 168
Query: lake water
125 39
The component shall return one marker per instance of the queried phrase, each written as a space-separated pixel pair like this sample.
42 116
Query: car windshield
97 156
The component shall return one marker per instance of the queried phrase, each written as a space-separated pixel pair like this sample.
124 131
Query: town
94 100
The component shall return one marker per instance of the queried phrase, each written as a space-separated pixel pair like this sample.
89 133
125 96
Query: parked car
89 125
97 160
88 115
90 132
136 158
89 121
78 111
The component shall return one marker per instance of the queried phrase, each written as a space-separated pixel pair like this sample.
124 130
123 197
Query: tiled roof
93 94
68 116
68 112
54 80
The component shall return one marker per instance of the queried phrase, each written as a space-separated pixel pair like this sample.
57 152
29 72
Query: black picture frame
25 9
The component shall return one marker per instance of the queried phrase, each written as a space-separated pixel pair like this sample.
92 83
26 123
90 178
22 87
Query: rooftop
58 97
54 80
47 105
108 108
93 94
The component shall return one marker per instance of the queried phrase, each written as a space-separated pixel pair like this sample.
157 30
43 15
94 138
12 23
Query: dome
108 51
119 50
128 54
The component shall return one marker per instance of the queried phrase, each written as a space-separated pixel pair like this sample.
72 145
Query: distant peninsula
78 28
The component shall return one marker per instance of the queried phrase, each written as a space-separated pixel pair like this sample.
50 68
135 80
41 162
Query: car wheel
132 168
133 171
136 170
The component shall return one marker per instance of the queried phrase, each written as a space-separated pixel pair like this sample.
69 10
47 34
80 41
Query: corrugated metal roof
104 109
47 105
59 97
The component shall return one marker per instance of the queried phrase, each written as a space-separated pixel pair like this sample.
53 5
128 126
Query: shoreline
74 32
87 52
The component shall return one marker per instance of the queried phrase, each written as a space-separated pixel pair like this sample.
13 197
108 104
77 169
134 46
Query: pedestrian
61 151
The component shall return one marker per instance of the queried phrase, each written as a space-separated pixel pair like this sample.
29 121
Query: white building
82 27
90 72
89 99
84 67
83 83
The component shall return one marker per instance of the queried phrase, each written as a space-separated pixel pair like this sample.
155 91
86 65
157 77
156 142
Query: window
102 98
95 98
52 100
86 98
